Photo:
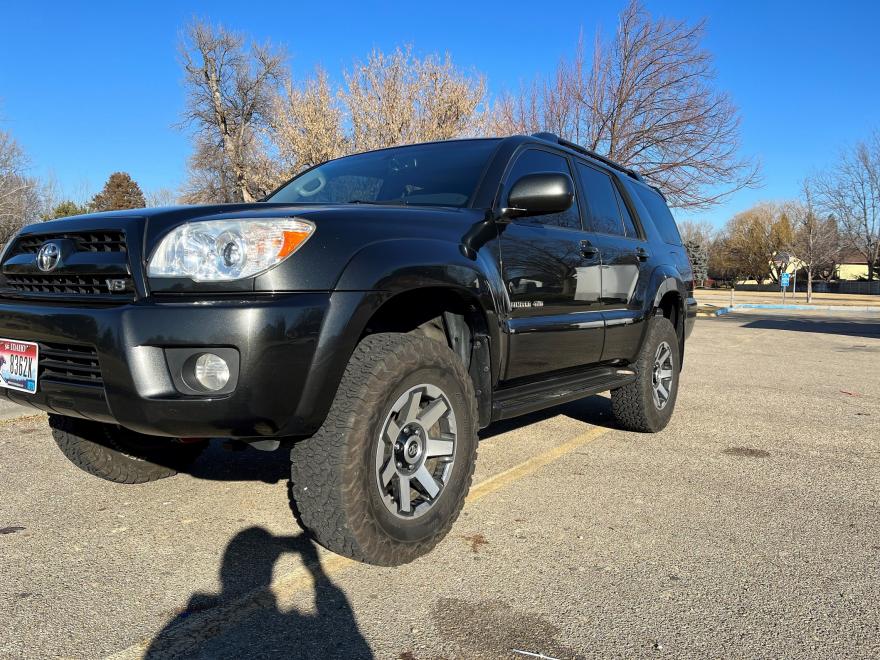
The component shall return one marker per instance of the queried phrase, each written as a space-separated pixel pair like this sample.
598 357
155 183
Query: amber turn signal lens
292 240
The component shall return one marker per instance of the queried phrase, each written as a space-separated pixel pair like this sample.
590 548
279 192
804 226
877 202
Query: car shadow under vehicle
595 410
218 463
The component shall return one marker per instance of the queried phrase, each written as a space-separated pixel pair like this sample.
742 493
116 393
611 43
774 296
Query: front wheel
385 477
646 404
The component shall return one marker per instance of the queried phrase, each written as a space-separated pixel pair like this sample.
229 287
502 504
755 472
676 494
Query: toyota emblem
48 256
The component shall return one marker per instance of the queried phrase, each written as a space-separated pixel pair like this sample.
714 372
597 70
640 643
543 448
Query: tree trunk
809 285
241 184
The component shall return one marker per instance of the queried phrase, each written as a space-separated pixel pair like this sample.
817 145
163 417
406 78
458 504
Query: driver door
552 275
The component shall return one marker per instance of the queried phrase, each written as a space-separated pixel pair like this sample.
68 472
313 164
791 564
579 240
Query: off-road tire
633 405
332 481
119 455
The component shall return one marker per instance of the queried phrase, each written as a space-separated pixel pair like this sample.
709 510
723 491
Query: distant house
852 266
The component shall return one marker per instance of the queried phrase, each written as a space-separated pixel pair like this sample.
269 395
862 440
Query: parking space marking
281 592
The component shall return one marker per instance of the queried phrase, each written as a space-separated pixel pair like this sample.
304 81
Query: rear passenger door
624 253
552 278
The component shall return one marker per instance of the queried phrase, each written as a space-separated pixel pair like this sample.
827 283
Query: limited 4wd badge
528 303
18 365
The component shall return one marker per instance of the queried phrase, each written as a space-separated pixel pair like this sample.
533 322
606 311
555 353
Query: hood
367 220
341 231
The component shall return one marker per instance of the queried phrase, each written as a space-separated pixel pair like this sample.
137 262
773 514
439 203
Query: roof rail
552 137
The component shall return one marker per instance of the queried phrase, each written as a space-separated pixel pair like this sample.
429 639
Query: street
749 527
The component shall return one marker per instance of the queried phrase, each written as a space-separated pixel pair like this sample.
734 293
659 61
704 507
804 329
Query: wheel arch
450 315
669 301
406 285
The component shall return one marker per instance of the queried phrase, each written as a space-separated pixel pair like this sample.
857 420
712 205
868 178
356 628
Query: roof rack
552 137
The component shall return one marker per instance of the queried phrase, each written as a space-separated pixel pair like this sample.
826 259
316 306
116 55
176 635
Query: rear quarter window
660 214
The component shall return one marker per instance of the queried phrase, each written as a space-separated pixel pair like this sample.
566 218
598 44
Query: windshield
437 174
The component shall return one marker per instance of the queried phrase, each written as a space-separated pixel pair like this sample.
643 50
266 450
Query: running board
524 399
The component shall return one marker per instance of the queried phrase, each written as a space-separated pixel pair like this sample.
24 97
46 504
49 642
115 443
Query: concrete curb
808 308
820 308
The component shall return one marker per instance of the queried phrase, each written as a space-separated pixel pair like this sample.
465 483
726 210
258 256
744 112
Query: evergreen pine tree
120 192
65 209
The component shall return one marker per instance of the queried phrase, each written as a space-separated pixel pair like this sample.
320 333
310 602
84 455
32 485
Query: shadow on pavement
849 327
219 464
595 410
244 619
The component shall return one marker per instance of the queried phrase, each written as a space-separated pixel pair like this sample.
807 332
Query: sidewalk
721 298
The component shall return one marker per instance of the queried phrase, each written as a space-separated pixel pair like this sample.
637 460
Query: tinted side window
628 223
533 161
660 214
600 193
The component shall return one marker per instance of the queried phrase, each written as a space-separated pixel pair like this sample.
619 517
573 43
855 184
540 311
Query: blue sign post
784 282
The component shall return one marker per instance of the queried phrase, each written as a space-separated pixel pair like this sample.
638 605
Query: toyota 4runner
371 315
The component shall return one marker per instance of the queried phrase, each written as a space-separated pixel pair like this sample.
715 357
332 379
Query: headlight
223 250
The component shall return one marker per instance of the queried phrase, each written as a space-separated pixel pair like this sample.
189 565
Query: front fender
394 266
374 275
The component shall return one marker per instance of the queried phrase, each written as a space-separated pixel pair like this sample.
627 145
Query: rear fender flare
666 280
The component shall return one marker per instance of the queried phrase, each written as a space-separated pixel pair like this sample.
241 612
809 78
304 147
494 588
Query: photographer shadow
244 619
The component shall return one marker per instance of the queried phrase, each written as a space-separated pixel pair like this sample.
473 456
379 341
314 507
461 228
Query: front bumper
277 337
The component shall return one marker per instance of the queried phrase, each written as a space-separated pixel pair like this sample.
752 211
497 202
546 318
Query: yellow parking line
281 591
535 463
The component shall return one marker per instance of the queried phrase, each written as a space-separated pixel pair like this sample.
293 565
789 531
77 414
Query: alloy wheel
661 375
415 451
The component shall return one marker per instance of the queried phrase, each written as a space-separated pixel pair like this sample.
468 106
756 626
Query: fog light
212 372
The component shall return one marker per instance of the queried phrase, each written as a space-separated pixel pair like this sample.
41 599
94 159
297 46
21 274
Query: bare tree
161 197
400 98
306 124
697 231
815 242
851 193
646 99
21 199
212 178
229 99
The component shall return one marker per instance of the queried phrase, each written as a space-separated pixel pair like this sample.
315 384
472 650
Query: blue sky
92 88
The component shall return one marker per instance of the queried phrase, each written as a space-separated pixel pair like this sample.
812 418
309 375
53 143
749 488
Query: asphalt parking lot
750 527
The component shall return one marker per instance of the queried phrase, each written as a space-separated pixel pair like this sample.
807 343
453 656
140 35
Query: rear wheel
385 477
117 454
646 405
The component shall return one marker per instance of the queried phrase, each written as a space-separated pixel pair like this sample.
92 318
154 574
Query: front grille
69 364
86 241
70 284
94 268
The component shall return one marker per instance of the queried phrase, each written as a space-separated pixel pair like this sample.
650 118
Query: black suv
372 315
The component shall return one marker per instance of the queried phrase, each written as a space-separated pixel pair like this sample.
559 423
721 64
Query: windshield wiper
379 202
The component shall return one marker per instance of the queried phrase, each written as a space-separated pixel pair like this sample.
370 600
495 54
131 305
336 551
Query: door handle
642 254
588 249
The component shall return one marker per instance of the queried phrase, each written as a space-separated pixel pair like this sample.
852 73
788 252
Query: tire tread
324 483
632 405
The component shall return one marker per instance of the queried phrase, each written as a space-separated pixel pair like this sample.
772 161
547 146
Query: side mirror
539 194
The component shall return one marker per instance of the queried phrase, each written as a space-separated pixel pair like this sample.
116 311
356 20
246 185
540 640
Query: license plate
18 365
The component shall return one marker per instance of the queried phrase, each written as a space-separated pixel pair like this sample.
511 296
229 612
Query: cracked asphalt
749 528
